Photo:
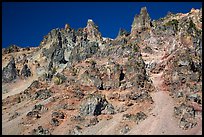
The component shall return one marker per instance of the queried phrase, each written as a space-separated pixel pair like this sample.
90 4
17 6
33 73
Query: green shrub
57 80
174 23
53 70
191 25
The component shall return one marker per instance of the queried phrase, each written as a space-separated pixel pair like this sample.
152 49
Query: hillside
147 81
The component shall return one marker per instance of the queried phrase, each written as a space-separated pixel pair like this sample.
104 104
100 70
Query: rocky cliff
77 82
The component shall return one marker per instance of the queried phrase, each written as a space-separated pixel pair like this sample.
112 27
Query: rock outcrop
141 22
95 104
80 81
92 32
11 49
9 73
25 72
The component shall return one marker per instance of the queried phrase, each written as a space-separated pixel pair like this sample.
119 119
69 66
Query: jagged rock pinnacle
92 31
67 27
90 20
141 21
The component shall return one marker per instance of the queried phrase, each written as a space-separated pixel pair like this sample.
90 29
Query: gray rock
179 94
35 84
185 124
123 32
11 49
97 82
15 115
186 115
78 94
40 108
42 94
25 71
33 114
109 109
141 21
195 98
86 50
189 111
59 115
94 104
58 56
41 131
75 131
77 118
140 116
183 63
92 121
125 129
141 96
54 122
121 109
9 73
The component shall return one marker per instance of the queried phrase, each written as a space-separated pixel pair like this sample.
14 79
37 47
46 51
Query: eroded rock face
66 46
11 49
25 71
9 73
79 68
92 31
186 115
191 72
141 22
123 32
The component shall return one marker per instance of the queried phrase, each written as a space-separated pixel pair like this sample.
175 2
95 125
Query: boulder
59 115
140 116
77 118
54 122
78 94
42 94
41 131
125 129
95 104
186 115
9 73
139 96
75 131
33 114
92 121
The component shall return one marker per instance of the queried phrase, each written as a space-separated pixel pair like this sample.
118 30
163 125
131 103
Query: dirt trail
18 87
160 120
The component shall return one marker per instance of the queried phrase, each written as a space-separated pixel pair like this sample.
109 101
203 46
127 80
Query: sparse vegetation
173 23
191 25
86 82
59 79
54 70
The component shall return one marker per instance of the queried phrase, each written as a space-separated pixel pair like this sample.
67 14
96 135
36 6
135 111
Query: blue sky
25 23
